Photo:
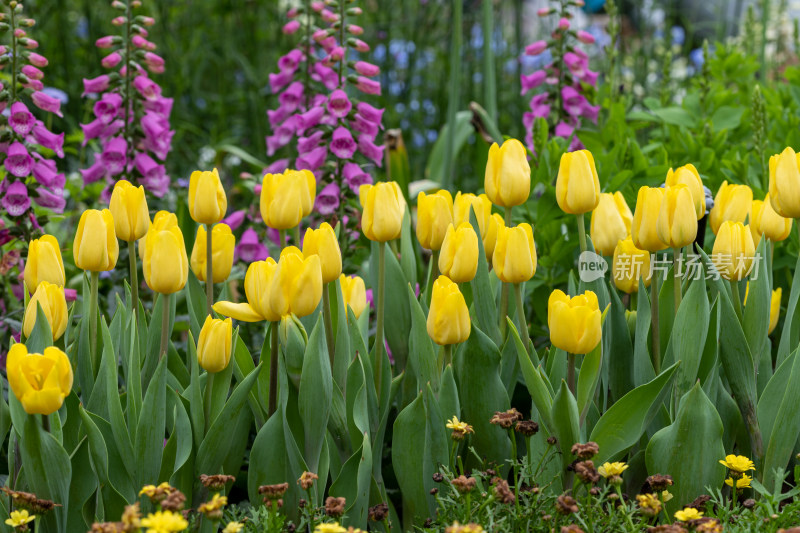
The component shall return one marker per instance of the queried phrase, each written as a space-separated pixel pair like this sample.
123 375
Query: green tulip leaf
149 442
790 335
756 315
534 381
421 356
566 422
314 397
48 470
617 341
483 297
689 334
643 371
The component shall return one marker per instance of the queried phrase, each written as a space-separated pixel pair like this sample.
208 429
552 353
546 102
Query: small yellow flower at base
508 175
214 344
514 259
354 293
164 522
677 225
323 242
20 518
95 246
54 306
329 527
733 251
297 284
212 509
39 381
162 220
448 318
128 205
611 222
784 183
465 528
434 214
688 513
732 202
287 198
233 527
577 184
480 204
608 470
460 429
741 483
769 223
165 265
383 207
489 238
458 258
257 287
207 200
688 175
44 263
649 504
644 228
666 496
629 265
738 463
222 244
574 322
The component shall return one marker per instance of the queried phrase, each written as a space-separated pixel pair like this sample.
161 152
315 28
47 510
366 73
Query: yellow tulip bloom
323 243
165 264
287 198
39 381
54 306
128 205
257 287
514 259
644 229
768 222
784 183
297 284
611 222
688 175
207 200
44 263
577 184
95 247
448 318
496 223
508 175
383 209
434 214
354 293
732 203
480 204
458 258
214 344
162 220
574 322
222 242
677 223
733 251
630 264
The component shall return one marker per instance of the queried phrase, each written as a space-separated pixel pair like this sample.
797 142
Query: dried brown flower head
552 441
700 502
585 451
464 484
107 527
667 528
506 419
29 501
334 507
174 502
586 472
657 483
216 482
378 513
572 528
706 525
594 491
502 491
131 518
438 477
527 428
307 480
749 503
566 504
273 492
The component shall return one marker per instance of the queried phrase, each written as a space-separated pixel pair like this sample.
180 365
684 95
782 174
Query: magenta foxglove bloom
70 294
342 144
279 80
312 160
370 113
325 75
292 96
32 72
47 175
339 104
576 64
160 106
563 24
290 61
235 219
336 55
536 48
37 60
291 27
104 42
111 60
368 86
114 155
20 119
355 29
107 108
154 62
532 80
45 102
95 85
585 37
277 116
361 46
147 87
249 248
18 161
590 78
16 200
154 176
53 200
354 176
94 173
306 144
140 42
309 119
573 101
362 125
34 85
277 167
48 139
327 200
367 69
366 146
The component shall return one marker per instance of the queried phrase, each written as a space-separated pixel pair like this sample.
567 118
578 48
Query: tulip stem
504 289
523 323
296 235
95 278
379 325
656 356
571 372
581 232
281 239
164 326
448 356
207 399
273 366
134 280
46 423
209 270
326 315
676 256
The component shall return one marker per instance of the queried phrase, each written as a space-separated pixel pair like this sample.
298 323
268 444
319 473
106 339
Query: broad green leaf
642 364
397 312
483 297
314 397
588 379
150 431
621 365
267 457
786 425
789 334
566 423
689 334
408 436
540 393
408 256
48 471
421 355
758 295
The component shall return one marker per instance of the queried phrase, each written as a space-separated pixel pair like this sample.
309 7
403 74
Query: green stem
165 332
656 356
505 288
454 91
448 356
737 300
624 508
676 254
581 232
273 366
296 235
378 364
134 280
523 323
281 238
326 314
207 399
128 102
433 276
515 467
13 59
46 422
571 372
209 270
95 278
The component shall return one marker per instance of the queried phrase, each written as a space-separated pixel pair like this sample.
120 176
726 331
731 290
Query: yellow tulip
574 322
768 222
688 175
733 250
287 198
323 242
54 306
458 258
257 287
44 263
755 211
165 265
383 209
629 265
222 242
354 293
39 381
508 175
514 258
732 203
496 223
95 247
784 183
434 214
677 223
611 222
448 318
644 230
774 309
480 204
129 207
577 184
214 344
297 284
162 220
207 200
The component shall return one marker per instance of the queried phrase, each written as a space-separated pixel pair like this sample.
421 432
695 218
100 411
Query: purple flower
51 199
160 106
114 155
235 219
95 85
309 119
328 199
339 104
96 172
104 42
46 174
278 115
590 111
16 200
355 177
342 144
533 80
306 144
70 295
277 167
292 96
147 87
154 62
18 161
250 248
290 61
153 175
576 64
291 27
325 75
32 72
370 113
368 86
573 101
37 59
48 139
585 37
536 48
590 77
45 102
107 108
367 69
20 119
111 60
367 147
280 80
313 159
362 125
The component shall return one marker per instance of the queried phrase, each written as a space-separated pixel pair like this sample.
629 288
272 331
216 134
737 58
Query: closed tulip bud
383 209
44 263
755 211
577 185
688 175
222 242
287 198
54 306
732 202
39 381
257 287
677 221
354 293
165 265
323 243
448 317
214 344
611 222
629 265
784 183
434 214
129 207
297 285
480 204
768 222
162 220
514 258
508 175
95 247
496 223
774 309
733 250
574 322
458 258
644 230
207 201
